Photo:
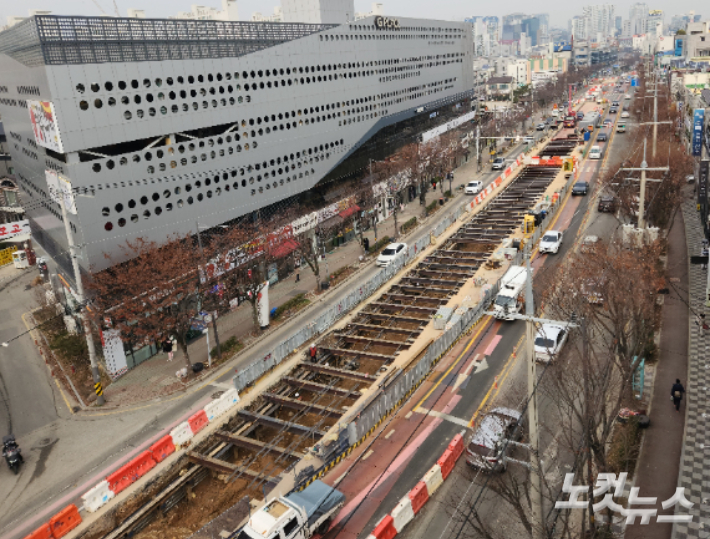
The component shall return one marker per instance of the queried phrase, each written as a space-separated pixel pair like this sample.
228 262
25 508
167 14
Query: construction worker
313 353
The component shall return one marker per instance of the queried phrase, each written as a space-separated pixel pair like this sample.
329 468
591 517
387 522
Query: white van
595 153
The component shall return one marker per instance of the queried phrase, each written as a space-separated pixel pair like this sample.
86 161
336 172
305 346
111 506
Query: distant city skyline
560 12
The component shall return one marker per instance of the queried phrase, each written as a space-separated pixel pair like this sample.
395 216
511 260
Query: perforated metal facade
215 126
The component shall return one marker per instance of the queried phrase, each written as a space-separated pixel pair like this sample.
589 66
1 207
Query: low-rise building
497 87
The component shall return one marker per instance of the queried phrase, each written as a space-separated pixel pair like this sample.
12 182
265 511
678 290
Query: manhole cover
217 394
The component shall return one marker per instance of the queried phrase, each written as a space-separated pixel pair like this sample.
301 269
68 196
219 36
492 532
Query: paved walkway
156 377
694 474
657 470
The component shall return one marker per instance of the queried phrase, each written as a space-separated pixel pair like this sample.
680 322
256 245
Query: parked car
602 137
608 122
391 253
625 114
498 163
549 341
540 126
485 449
474 187
550 242
580 188
615 104
607 204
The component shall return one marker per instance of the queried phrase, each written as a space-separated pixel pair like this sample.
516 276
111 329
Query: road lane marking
441 415
471 365
505 370
482 366
492 345
468 346
390 433
367 455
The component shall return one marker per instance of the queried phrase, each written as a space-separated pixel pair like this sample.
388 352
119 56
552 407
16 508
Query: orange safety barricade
385 529
121 478
43 532
419 495
198 421
64 521
446 463
456 446
143 464
162 448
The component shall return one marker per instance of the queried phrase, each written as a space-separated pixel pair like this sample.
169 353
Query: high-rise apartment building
599 20
638 13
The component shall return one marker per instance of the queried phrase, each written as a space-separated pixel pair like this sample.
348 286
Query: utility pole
536 471
478 148
535 465
86 324
642 192
655 121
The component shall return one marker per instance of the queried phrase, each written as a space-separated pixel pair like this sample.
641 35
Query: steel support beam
255 445
317 388
396 318
394 306
306 406
268 421
354 339
357 353
340 373
221 466
373 327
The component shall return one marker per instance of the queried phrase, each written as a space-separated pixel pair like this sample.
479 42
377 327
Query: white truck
298 515
510 300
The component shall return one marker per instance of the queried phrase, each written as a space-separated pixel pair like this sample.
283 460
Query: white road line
447 417
390 433
367 455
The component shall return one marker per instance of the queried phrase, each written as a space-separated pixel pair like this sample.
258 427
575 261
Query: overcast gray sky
560 11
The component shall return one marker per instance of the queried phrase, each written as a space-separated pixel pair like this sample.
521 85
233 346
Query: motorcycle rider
11 451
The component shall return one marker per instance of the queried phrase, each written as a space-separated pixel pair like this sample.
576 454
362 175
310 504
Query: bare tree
152 294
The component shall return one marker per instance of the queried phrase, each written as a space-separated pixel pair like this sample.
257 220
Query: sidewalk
155 377
694 474
657 469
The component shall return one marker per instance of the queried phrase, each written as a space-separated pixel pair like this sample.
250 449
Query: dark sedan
607 204
580 188
602 137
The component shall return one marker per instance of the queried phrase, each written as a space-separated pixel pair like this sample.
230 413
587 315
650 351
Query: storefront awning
350 211
284 249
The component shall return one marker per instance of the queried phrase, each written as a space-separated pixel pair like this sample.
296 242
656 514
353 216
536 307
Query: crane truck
509 300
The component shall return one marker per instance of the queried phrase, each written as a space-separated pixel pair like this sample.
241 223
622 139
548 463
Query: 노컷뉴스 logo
383 23
604 484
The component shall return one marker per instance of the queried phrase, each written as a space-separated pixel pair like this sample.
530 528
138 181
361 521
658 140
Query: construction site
294 423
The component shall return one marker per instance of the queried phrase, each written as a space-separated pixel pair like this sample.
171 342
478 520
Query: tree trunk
216 336
396 211
182 341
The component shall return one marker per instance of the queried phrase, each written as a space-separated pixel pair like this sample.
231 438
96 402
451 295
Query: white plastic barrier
433 479
97 497
215 409
181 435
230 397
402 513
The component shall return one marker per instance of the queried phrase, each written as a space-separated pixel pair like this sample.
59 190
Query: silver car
485 449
